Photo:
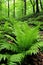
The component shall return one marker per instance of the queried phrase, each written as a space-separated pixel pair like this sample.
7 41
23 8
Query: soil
41 35
34 59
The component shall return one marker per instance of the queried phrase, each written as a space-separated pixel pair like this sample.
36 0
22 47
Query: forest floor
34 20
32 16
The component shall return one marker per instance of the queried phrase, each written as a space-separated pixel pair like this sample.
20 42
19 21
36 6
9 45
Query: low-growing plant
21 39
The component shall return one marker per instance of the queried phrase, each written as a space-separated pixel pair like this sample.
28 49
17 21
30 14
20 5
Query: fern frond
25 36
8 46
16 58
34 49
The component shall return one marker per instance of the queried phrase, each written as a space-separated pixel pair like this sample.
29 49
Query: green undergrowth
35 16
35 23
34 19
17 40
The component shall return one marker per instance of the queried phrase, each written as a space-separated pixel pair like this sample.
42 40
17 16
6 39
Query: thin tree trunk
24 7
22 12
33 5
41 5
37 7
8 9
14 9
33 8
0 5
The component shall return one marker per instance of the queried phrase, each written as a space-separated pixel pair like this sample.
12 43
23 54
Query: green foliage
25 36
16 58
20 39
35 48
17 39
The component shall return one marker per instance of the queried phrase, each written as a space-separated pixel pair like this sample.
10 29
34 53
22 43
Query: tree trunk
24 7
14 9
33 5
0 5
33 8
41 5
37 7
8 9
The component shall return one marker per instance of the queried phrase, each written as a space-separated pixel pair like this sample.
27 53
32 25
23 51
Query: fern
8 46
16 58
25 36
27 40
24 41
35 48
